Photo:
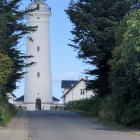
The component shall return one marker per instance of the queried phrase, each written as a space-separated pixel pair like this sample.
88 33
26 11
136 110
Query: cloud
67 76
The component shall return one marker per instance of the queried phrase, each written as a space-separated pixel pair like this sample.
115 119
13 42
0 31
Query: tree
12 29
95 23
125 70
5 72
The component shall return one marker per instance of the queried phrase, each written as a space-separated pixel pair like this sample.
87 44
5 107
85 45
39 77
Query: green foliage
107 109
1 99
132 36
12 29
92 105
98 107
95 23
12 60
131 116
82 105
6 70
107 35
6 112
124 77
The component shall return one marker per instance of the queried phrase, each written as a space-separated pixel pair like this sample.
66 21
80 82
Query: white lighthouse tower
38 88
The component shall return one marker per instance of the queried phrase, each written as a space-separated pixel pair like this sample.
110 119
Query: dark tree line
95 23
12 28
106 35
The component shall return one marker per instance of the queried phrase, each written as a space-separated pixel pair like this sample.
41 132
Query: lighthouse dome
40 5
38 1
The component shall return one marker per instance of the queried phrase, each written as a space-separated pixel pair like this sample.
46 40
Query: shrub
92 105
131 116
84 104
6 112
107 110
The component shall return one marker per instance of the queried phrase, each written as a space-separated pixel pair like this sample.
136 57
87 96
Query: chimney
86 78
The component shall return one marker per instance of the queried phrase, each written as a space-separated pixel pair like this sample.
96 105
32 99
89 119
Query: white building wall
66 90
10 98
38 87
32 106
75 93
55 102
18 103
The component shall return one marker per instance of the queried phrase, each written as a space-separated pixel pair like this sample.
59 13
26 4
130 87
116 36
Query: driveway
65 125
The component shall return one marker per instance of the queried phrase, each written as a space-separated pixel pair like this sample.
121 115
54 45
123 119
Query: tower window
38 48
37 17
38 74
37 6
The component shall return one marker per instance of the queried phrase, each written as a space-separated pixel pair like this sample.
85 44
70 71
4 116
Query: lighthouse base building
19 103
38 83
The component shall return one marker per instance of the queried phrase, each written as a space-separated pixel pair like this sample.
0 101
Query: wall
10 98
75 93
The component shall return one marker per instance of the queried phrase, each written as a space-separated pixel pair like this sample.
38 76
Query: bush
131 116
96 105
92 105
84 105
99 107
107 110
6 112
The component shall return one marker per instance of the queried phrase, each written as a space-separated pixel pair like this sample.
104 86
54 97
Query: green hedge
107 109
6 113
93 105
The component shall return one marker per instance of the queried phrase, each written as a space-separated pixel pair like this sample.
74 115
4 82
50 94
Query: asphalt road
64 125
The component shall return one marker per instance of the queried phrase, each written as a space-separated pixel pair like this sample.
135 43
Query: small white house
55 101
11 97
75 90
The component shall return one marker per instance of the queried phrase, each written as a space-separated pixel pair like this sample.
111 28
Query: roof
55 99
22 99
72 87
68 83
12 94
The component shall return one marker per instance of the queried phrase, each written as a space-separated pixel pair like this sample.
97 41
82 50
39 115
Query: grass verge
7 111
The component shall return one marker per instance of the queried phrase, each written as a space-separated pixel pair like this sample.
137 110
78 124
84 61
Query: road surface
64 125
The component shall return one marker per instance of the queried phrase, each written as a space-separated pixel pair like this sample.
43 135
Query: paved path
59 125
16 129
64 125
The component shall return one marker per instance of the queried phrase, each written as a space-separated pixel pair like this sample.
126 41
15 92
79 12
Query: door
38 104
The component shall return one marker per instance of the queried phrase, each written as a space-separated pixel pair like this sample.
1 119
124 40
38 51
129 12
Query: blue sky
65 65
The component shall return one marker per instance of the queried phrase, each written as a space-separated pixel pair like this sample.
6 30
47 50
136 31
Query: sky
64 64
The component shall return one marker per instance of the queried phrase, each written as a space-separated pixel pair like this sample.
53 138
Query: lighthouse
38 84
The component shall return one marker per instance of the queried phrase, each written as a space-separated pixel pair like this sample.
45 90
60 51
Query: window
81 92
38 74
38 48
37 17
37 6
